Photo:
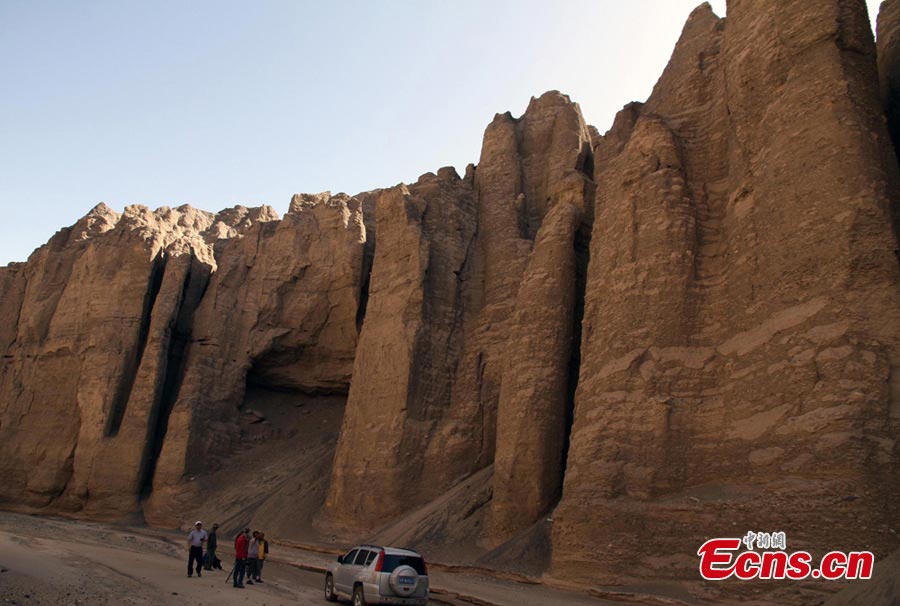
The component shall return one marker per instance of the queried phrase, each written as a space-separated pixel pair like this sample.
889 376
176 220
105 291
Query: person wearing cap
196 539
240 558
211 545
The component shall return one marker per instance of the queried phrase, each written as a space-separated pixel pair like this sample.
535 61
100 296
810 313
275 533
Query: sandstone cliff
621 344
741 324
128 361
423 406
280 311
75 352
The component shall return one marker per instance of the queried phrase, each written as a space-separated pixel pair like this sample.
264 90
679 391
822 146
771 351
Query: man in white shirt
196 539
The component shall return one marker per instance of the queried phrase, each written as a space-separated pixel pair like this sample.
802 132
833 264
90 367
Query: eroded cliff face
128 361
84 344
408 347
685 328
451 255
741 323
279 312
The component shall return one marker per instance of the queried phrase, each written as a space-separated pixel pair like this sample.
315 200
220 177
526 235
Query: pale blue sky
222 103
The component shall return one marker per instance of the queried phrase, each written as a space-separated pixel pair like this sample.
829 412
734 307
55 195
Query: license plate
407 581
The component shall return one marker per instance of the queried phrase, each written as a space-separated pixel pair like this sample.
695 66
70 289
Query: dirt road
71 571
58 562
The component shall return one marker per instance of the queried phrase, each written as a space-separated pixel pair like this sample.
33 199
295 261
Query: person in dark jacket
211 543
240 557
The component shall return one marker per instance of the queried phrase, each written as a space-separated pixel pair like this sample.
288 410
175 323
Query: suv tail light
424 568
379 562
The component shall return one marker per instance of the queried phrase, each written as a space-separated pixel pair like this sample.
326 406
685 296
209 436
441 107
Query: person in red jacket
240 557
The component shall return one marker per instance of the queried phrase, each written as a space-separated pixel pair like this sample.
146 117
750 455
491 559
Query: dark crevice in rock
133 361
888 56
367 206
585 162
368 261
195 282
582 246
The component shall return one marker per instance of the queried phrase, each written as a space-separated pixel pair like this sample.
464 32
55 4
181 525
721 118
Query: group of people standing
250 554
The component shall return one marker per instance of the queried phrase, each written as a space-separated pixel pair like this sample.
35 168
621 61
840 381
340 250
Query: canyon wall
740 352
136 334
684 328
423 407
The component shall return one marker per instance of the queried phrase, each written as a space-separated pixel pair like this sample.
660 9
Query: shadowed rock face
408 347
423 407
687 327
116 319
280 312
532 416
888 39
90 330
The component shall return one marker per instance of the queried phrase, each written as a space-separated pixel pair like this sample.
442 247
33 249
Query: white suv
370 574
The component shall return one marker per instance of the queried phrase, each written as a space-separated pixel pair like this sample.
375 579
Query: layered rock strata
280 311
741 326
452 253
118 328
90 338
687 327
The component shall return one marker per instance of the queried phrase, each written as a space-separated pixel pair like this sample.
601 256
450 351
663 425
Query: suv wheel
330 595
358 598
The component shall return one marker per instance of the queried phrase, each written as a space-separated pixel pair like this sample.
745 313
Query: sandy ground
59 562
71 563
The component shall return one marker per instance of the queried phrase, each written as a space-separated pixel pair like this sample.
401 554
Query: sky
217 103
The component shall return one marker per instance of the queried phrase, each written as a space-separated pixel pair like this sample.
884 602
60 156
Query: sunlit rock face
446 311
740 337
687 327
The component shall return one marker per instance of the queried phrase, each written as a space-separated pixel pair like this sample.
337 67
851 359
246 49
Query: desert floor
60 562
51 561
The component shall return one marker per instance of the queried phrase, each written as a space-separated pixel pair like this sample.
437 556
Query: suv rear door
343 577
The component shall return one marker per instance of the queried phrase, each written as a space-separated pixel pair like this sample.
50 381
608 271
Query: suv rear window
391 562
361 557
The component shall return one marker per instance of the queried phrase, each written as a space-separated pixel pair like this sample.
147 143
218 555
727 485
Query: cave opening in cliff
296 369
282 396
287 433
